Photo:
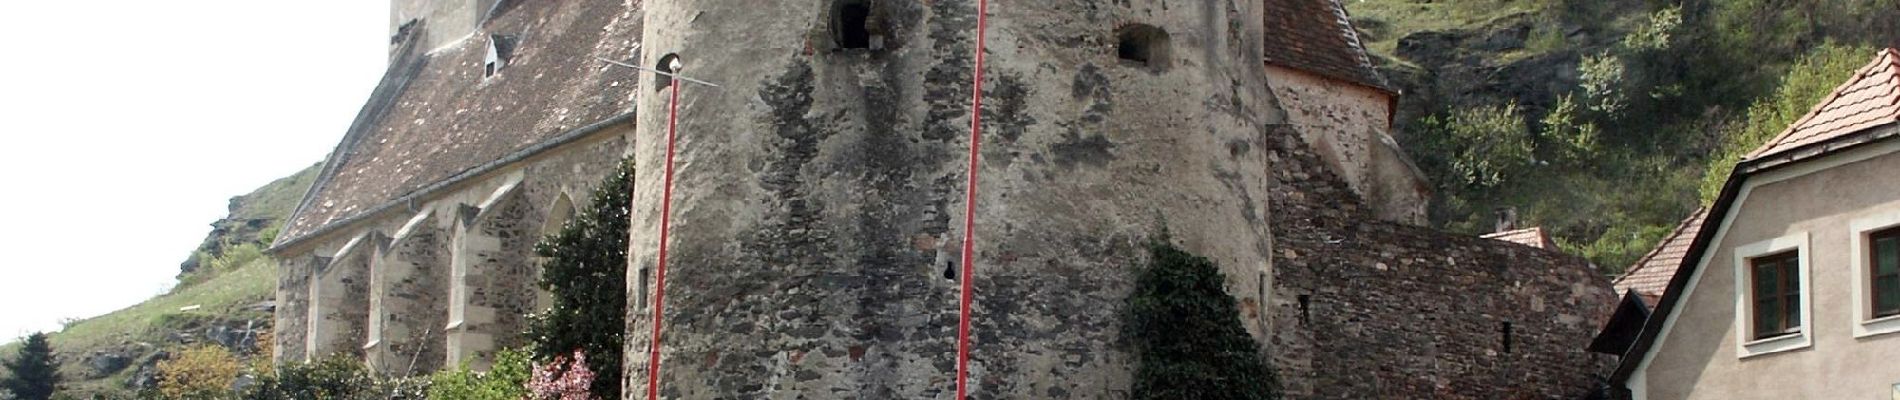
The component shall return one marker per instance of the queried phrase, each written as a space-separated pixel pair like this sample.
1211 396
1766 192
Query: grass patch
222 296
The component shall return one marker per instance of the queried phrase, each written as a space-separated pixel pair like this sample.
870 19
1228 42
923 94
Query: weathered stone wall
493 259
340 287
818 191
408 290
491 247
1368 309
291 322
1348 127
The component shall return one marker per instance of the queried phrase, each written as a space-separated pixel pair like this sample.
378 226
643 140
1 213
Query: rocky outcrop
252 216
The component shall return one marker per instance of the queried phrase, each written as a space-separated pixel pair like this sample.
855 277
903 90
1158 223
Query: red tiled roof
1871 98
1532 236
1317 36
1650 275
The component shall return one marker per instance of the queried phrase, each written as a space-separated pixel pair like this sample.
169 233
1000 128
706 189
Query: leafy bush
1188 336
334 377
586 272
1482 147
506 380
1807 84
204 371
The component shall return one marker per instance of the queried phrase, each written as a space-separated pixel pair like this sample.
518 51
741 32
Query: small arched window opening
849 21
1144 45
670 64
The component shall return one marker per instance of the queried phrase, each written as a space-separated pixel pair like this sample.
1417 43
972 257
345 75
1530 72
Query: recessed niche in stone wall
1143 45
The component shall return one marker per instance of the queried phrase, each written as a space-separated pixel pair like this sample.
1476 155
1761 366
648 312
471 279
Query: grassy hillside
224 299
229 299
1603 119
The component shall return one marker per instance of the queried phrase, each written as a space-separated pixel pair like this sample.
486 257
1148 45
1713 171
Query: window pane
1887 295
1767 316
1765 280
1791 275
1886 255
1793 317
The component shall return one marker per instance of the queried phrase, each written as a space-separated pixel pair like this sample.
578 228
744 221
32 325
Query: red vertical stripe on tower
968 263
666 219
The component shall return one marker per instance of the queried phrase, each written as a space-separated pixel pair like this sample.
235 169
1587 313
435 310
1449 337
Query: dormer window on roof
501 49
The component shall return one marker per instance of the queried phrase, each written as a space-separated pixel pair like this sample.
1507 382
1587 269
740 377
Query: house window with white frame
1776 294
1773 296
1876 257
1883 273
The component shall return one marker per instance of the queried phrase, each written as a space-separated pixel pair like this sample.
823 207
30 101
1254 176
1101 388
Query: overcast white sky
127 124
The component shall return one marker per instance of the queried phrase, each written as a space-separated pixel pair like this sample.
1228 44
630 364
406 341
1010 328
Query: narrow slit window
1506 332
852 24
1776 294
644 273
1884 272
1306 313
950 270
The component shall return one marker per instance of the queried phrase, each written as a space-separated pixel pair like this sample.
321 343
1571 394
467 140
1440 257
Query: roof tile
1317 36
1650 275
1870 99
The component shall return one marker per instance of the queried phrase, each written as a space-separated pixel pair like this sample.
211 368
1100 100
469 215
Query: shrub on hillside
201 372
1187 334
586 272
1480 147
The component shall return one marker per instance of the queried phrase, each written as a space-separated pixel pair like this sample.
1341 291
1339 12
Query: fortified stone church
819 191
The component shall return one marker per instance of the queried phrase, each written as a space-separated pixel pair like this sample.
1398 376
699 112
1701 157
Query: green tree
586 272
34 373
1188 336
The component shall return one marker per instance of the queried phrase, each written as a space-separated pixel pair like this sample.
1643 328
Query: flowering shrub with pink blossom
563 379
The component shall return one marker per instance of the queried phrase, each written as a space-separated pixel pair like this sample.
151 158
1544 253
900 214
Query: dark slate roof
1871 98
435 117
1316 36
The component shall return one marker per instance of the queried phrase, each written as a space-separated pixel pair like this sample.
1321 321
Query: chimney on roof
1506 219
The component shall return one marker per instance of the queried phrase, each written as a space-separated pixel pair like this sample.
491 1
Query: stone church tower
818 199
